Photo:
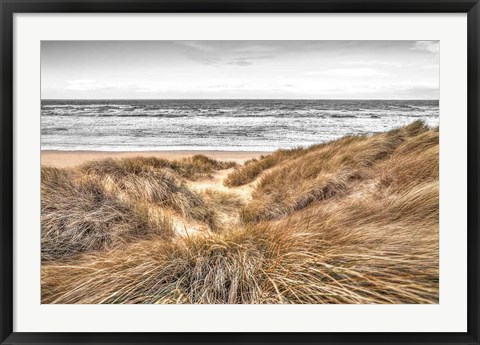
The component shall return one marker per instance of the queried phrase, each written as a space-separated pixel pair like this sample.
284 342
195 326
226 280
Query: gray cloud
240 69
247 61
240 62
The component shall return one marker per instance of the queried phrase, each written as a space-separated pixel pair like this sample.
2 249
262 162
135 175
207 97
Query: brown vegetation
79 216
254 167
351 221
108 203
192 168
328 171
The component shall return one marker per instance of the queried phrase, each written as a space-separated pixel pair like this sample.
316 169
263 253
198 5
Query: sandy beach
63 159
237 172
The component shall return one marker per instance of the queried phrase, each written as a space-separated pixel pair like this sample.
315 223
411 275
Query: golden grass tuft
79 216
222 200
191 168
151 182
254 167
323 173
108 203
203 164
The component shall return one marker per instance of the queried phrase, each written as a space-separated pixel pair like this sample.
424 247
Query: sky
240 69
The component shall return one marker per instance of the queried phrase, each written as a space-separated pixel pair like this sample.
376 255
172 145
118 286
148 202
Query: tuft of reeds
80 216
191 168
108 203
223 201
254 167
201 164
322 173
149 181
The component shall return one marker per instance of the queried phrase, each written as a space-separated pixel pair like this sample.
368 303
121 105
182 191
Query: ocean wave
237 125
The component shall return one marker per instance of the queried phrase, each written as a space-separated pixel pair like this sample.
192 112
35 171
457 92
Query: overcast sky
240 69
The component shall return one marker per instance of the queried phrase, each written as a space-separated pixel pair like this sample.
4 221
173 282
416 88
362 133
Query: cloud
81 85
347 72
240 62
428 46
396 64
196 45
86 85
198 51
248 60
243 69
214 54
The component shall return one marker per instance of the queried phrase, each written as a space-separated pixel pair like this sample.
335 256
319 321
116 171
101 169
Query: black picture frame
9 7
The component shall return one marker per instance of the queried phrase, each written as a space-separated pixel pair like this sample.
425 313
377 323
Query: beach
353 221
238 172
66 159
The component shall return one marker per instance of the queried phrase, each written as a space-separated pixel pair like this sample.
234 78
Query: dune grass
191 168
107 203
325 172
155 186
254 167
222 201
341 260
350 221
79 216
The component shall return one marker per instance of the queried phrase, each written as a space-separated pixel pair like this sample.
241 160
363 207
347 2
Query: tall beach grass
354 220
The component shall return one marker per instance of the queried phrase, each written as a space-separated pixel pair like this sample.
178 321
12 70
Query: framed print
239 172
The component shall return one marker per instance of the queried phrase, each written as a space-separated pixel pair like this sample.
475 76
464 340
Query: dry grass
79 216
108 203
149 180
344 260
226 205
222 201
254 167
205 165
325 172
351 221
191 168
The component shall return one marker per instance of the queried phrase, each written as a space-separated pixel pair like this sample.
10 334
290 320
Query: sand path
216 183
183 227
188 228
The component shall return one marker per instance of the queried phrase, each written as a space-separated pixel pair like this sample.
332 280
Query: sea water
228 125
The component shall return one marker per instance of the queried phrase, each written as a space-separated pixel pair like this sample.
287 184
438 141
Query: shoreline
64 159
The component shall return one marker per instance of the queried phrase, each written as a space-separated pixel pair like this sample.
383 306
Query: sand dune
354 220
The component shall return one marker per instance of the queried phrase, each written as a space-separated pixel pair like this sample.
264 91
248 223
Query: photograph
240 171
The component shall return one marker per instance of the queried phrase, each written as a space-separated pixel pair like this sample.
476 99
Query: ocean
229 125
